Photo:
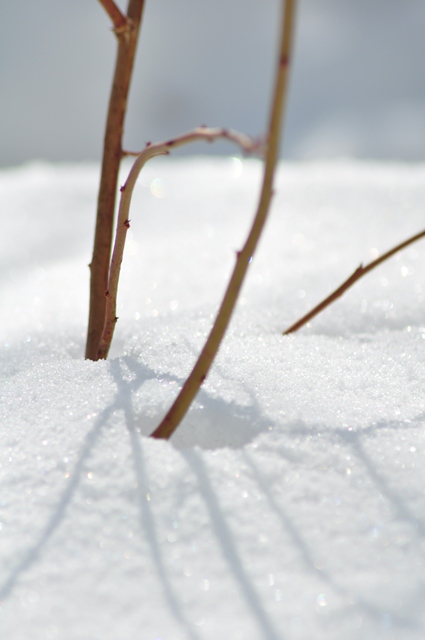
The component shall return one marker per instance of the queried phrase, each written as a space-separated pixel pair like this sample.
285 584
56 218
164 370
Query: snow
290 503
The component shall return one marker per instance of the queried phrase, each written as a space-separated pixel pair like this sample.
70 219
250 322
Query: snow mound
289 505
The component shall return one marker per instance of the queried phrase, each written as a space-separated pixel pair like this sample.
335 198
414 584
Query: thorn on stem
122 188
116 319
107 293
127 224
203 378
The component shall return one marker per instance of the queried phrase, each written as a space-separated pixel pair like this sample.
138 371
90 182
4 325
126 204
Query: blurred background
357 83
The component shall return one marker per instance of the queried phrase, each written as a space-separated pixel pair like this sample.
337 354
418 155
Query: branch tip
361 271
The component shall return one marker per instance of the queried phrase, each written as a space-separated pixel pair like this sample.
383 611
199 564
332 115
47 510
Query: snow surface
290 504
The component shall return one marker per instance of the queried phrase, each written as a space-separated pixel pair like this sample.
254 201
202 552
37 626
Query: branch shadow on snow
353 439
147 521
212 423
399 504
217 424
218 522
361 605
32 554
213 409
229 547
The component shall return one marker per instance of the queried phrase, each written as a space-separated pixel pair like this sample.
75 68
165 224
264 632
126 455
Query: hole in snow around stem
215 424
212 423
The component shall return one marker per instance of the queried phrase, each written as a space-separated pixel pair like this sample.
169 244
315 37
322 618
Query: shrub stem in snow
123 222
356 275
244 257
127 35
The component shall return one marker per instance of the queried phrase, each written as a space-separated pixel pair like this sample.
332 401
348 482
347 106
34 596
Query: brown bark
119 19
200 371
356 275
112 153
123 223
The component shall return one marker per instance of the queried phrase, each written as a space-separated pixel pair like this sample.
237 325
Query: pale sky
357 85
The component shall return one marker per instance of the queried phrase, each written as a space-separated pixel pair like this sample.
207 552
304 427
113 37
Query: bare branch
123 224
244 257
112 153
119 20
356 275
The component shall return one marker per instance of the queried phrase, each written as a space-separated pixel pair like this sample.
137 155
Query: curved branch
208 353
356 275
123 223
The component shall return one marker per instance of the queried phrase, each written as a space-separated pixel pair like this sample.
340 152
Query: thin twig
244 257
112 154
356 275
119 20
123 223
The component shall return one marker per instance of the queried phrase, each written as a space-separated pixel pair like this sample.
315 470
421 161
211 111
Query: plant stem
123 223
114 12
244 257
356 275
112 153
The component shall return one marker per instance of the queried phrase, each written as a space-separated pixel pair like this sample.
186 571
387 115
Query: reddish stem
112 154
356 275
119 20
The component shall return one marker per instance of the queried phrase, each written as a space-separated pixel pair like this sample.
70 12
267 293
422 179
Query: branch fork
243 257
123 222
126 28
122 24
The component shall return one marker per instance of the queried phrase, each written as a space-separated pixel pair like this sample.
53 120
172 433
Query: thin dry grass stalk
127 35
356 275
208 353
123 223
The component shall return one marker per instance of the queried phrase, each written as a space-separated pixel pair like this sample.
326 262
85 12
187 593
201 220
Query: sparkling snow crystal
290 504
